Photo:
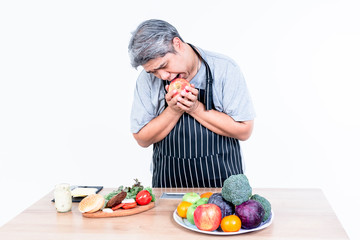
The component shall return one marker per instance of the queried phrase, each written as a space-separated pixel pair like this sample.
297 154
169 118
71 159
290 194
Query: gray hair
152 39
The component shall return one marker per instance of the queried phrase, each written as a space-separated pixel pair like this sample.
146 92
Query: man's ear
177 44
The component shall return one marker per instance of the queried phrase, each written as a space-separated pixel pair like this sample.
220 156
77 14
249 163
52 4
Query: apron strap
209 81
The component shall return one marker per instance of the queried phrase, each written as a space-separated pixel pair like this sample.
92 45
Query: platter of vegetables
235 210
123 201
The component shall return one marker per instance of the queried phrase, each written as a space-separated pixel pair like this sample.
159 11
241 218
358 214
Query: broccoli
265 203
236 189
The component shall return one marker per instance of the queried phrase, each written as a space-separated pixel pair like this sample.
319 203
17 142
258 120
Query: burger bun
91 203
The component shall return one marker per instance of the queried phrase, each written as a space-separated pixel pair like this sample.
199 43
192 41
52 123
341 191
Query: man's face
169 67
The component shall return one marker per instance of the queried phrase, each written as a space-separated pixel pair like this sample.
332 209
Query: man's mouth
177 76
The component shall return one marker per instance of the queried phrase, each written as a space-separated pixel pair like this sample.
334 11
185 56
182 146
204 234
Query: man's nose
164 75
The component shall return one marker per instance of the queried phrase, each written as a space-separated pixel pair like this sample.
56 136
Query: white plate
186 224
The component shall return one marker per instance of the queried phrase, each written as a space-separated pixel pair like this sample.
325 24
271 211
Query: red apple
207 217
178 84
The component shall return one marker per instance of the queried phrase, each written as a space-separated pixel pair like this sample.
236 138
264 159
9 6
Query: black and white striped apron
192 155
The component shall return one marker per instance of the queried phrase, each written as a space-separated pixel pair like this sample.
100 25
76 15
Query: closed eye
163 65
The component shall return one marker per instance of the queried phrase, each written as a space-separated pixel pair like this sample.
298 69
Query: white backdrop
66 88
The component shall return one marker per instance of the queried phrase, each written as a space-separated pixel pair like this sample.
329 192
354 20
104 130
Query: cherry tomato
129 205
231 223
143 197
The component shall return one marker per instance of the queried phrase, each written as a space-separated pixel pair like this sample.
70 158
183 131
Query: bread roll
91 203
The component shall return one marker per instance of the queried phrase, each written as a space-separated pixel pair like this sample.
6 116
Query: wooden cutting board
120 212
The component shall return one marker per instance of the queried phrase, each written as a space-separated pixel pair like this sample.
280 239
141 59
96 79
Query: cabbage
251 214
227 208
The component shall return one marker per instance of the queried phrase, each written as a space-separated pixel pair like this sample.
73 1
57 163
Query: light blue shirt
230 93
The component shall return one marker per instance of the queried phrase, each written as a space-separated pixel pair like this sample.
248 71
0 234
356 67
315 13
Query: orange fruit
182 208
231 223
207 194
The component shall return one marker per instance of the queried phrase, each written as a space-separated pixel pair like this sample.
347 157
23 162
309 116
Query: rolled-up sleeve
142 110
236 100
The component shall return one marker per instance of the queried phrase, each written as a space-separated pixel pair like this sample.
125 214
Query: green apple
191 197
190 213
201 201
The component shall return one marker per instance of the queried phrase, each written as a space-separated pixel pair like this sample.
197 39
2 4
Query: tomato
129 205
231 223
143 197
118 206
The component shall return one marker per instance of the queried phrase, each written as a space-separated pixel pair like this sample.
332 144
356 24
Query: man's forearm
222 124
158 128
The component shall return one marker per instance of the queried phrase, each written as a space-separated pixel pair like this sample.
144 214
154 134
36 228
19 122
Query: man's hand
159 127
172 101
188 101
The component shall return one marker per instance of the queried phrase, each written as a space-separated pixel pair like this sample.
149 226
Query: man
195 134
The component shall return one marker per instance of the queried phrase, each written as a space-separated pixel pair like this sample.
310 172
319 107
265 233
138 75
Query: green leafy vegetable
151 193
131 192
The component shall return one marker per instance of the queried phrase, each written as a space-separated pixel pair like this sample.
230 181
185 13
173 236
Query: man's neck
195 61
